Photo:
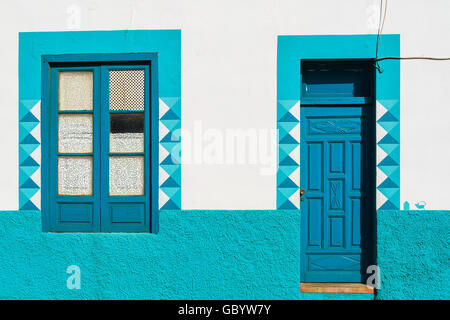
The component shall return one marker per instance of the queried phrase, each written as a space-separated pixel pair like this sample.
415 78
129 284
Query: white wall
229 80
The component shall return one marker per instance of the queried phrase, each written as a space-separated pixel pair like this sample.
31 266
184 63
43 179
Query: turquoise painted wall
212 255
196 255
414 254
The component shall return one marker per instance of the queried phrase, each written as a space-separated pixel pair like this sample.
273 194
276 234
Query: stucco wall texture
210 255
414 254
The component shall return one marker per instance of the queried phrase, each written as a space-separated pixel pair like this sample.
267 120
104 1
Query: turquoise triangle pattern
171 124
288 117
288 161
388 161
170 205
171 137
29 206
287 126
30 162
288 140
170 168
171 119
390 165
288 183
286 144
29 139
388 117
28 104
29 117
287 192
287 170
288 205
170 191
388 126
288 148
170 115
388 183
29 184
388 205
170 183
388 139
389 148
28 144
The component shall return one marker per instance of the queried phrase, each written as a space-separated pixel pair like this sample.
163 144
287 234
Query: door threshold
329 287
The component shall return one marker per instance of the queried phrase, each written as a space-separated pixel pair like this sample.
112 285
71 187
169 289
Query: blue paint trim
291 51
165 44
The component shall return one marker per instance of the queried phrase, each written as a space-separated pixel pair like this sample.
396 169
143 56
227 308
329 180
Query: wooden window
97 149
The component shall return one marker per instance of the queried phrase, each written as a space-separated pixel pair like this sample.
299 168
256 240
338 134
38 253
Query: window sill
335 288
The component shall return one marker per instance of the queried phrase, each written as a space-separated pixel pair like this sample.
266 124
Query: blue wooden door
337 162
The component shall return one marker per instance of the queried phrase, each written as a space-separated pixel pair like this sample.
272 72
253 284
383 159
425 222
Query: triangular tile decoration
29 205
169 149
387 161
380 132
288 162
388 183
288 183
36 199
288 205
387 117
29 117
163 175
288 117
170 192
283 107
288 176
388 154
29 139
170 115
287 148
170 183
388 139
163 108
36 110
287 126
295 176
29 154
163 198
295 199
170 205
388 205
288 139
29 162
29 184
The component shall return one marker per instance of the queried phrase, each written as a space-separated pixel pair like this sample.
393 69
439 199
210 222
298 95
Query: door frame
291 50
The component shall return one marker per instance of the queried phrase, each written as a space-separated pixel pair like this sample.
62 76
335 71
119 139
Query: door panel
125 196
335 142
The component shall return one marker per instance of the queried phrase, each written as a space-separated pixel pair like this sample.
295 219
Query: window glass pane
75 133
75 175
126 175
126 132
126 89
75 90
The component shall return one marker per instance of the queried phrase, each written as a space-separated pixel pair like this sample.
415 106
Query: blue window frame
99 143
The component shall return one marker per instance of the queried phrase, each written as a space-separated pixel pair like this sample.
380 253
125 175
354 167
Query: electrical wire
380 31
411 58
